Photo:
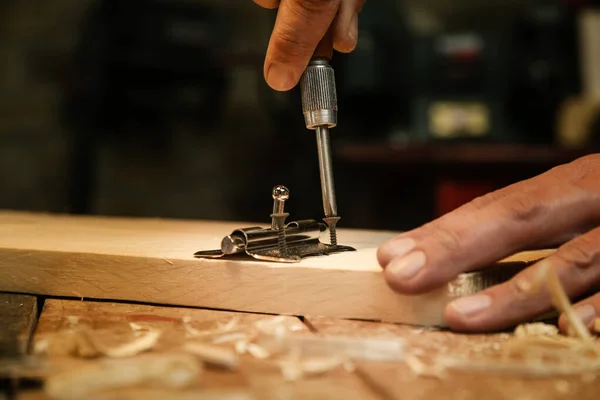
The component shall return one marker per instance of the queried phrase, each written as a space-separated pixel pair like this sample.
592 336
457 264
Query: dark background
159 108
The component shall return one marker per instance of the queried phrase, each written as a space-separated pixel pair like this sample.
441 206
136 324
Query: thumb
300 26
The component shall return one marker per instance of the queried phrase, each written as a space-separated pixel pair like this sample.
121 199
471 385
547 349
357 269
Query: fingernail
469 306
408 266
397 247
587 313
279 77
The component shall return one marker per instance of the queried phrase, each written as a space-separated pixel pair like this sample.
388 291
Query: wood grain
251 381
18 314
151 260
399 381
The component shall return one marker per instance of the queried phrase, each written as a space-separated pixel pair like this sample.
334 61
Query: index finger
300 26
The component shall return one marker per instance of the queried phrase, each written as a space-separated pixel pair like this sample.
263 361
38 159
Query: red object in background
451 194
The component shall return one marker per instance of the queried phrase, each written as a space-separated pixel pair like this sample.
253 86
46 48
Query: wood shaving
230 325
353 348
560 300
241 346
536 329
420 369
320 365
190 330
212 354
230 337
194 333
169 371
140 344
70 342
276 326
597 325
257 351
293 367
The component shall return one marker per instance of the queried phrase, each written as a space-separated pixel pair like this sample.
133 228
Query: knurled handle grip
319 97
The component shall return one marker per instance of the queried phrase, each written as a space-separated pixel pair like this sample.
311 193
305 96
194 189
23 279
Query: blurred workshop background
159 108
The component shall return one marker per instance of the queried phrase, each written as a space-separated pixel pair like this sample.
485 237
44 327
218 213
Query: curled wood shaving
212 354
140 344
169 371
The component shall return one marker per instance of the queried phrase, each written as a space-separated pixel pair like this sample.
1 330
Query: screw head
281 193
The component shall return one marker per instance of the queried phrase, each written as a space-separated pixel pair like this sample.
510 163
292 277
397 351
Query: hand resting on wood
561 205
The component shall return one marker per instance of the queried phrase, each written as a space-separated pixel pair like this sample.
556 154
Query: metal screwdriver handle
319 95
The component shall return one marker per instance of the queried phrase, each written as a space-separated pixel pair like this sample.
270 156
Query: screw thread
281 241
333 235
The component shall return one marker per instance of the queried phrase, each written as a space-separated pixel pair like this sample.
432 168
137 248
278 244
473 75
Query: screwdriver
319 106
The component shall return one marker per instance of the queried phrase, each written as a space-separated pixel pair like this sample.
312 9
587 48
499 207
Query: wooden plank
151 260
252 380
18 315
399 381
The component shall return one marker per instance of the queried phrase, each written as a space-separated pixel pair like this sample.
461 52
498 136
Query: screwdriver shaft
326 170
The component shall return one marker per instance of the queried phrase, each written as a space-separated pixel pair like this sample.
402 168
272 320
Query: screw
279 220
278 217
280 195
332 225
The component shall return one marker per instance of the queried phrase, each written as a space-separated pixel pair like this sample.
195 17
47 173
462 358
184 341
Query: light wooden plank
398 381
151 260
252 380
18 314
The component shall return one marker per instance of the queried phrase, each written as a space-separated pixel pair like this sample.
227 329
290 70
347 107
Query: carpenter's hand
300 26
561 203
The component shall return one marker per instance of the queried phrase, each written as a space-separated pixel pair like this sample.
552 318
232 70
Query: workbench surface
23 331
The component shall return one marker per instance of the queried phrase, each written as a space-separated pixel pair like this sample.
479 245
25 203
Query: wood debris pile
138 355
